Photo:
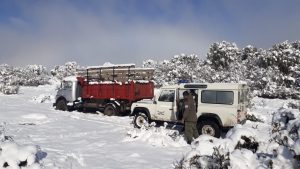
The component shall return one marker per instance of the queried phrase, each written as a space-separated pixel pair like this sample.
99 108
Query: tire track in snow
108 122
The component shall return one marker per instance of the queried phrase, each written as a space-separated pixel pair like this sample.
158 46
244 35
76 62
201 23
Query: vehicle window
208 96
67 84
245 95
217 97
241 96
167 96
224 97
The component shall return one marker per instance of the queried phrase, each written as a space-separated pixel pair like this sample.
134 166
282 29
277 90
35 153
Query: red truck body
130 91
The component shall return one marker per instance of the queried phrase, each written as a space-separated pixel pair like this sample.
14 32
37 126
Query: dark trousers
190 131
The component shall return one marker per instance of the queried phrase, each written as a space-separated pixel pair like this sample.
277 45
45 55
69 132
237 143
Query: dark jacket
190 114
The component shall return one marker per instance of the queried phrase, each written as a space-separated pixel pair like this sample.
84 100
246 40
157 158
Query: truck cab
67 94
219 106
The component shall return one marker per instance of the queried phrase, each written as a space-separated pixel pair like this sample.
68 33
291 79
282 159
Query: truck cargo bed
130 91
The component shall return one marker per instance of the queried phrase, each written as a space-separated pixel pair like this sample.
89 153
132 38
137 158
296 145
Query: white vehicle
219 106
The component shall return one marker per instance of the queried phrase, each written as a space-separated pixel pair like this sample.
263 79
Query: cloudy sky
92 32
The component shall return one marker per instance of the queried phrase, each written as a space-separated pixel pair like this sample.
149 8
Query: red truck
110 89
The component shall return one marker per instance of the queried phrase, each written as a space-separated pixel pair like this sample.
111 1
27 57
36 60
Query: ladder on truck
119 73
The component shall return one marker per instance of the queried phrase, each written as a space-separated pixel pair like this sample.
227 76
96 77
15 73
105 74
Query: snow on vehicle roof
208 86
111 65
70 78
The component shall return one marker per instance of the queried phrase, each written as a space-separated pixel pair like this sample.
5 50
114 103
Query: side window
224 97
208 96
217 97
167 96
67 84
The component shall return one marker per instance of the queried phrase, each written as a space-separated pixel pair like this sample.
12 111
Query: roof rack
120 73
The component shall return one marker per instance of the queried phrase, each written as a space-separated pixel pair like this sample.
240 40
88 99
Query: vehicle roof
70 78
207 86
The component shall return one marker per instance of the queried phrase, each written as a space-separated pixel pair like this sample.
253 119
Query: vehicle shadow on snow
97 111
180 128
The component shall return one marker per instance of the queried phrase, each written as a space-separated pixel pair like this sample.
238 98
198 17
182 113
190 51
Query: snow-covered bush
247 143
294 104
3 136
252 117
179 67
211 152
286 126
15 156
32 75
182 67
222 54
69 69
216 161
8 89
272 73
286 132
13 77
156 136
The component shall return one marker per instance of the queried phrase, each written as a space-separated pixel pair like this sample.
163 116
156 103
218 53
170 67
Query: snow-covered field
77 140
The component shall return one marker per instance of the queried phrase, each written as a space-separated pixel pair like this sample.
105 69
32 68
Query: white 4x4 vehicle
219 106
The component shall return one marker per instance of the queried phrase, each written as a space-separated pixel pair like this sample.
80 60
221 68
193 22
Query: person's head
185 94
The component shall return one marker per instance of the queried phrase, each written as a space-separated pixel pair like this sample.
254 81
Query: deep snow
77 140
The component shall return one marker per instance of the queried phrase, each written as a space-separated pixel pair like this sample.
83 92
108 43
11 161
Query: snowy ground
80 140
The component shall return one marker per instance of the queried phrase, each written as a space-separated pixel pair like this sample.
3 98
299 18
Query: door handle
170 109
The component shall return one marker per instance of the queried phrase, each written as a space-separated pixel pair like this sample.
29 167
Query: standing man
190 117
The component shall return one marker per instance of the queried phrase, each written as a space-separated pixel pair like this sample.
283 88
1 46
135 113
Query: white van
219 106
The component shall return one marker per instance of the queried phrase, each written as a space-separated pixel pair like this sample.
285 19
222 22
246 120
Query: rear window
217 97
243 94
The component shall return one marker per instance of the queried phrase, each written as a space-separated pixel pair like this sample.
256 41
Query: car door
166 105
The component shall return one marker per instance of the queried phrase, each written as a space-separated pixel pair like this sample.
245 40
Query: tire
110 110
140 120
209 127
62 105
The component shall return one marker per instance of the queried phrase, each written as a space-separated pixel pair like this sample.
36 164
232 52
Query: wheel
110 110
61 105
209 127
140 119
